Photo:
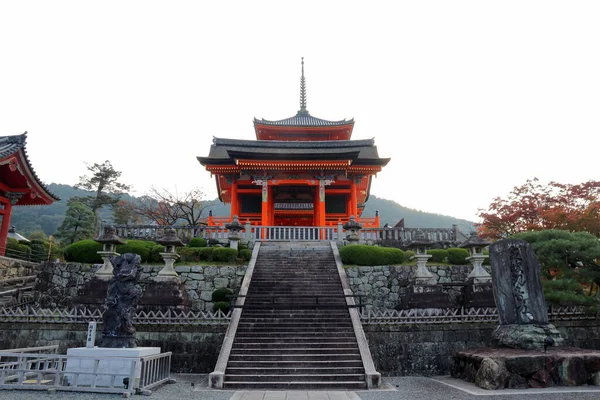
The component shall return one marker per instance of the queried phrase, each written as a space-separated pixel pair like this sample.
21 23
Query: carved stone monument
122 298
519 297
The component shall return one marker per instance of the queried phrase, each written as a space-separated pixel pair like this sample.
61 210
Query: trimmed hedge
142 248
244 254
221 294
197 242
221 305
224 254
408 254
84 251
438 256
206 253
16 249
358 254
457 256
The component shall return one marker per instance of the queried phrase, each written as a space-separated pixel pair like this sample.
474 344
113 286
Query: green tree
104 182
566 257
78 224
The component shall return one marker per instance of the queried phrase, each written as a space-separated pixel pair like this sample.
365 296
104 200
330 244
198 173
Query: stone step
253 357
282 344
338 377
294 325
341 385
293 371
296 329
294 364
298 320
307 340
305 350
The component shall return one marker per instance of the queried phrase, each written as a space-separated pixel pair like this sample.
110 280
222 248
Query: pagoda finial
302 89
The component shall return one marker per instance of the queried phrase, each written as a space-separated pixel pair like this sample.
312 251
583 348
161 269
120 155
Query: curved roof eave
13 144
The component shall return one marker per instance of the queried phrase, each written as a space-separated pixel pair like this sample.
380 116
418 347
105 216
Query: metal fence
83 315
413 316
67 373
418 316
156 370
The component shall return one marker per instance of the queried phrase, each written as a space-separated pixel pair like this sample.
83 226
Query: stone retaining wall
424 350
195 349
13 268
384 286
59 283
427 350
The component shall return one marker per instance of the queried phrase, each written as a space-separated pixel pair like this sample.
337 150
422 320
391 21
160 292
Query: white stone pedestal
120 364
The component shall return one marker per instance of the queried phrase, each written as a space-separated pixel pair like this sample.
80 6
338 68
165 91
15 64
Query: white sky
468 98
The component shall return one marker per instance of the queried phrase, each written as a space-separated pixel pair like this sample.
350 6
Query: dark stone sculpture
121 300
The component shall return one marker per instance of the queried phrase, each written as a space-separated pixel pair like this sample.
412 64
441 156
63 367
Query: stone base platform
505 368
104 362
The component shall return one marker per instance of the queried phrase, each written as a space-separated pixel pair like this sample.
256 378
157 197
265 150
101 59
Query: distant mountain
48 218
391 212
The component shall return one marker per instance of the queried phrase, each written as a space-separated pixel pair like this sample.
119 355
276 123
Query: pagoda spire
303 91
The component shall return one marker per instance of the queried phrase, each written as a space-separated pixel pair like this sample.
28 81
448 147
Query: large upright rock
519 297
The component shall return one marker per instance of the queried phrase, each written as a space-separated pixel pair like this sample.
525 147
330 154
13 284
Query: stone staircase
295 330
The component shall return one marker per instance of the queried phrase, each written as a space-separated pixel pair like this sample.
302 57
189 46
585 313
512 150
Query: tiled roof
12 144
303 118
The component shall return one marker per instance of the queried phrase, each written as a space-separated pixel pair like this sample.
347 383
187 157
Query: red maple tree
534 206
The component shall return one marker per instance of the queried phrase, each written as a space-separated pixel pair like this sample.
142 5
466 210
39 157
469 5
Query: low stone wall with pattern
13 268
383 286
59 283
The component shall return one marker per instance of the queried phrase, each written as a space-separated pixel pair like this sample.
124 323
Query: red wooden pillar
5 213
321 203
271 207
353 199
265 217
235 205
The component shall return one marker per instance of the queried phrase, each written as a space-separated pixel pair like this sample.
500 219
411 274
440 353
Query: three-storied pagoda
301 171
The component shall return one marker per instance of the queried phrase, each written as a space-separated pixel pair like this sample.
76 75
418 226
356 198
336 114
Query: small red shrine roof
303 118
17 177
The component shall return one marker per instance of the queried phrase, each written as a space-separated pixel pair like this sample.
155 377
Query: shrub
221 294
190 253
561 292
458 256
39 250
139 247
224 254
197 242
244 254
15 249
84 251
370 255
206 253
438 256
408 254
154 256
221 305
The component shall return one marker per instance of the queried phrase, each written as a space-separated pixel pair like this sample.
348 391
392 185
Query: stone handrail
292 233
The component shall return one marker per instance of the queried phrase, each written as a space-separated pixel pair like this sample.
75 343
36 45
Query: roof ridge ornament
303 91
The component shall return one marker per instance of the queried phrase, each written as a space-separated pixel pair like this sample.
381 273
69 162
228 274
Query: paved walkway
194 387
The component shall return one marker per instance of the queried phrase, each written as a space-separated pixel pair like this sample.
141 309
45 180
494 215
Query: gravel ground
192 386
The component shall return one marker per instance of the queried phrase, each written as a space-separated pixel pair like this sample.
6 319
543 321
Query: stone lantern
109 240
235 232
170 241
475 245
420 244
352 227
